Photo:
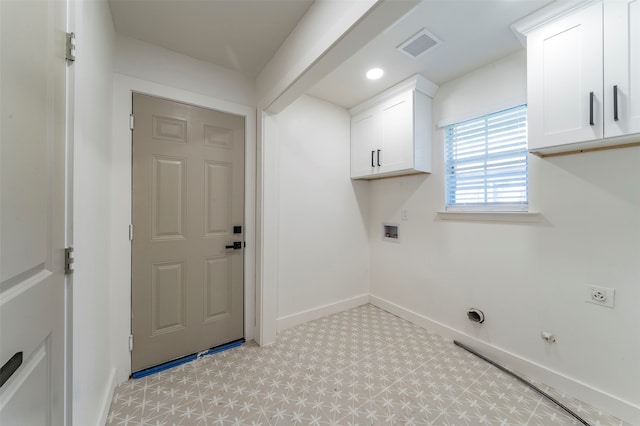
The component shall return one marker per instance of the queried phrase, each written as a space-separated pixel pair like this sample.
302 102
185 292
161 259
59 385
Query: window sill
525 217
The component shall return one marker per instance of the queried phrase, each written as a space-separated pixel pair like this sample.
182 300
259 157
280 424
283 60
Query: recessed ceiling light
375 73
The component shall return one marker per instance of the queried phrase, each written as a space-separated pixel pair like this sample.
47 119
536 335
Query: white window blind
486 162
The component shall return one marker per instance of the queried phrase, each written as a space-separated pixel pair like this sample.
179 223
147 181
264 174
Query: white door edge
68 344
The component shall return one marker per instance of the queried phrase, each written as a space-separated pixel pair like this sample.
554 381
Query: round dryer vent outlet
475 315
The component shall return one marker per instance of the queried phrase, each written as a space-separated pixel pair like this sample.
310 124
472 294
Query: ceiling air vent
419 44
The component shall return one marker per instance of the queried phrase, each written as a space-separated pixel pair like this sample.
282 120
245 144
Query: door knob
237 245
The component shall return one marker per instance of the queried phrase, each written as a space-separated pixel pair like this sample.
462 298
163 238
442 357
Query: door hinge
131 343
70 53
130 232
131 121
68 260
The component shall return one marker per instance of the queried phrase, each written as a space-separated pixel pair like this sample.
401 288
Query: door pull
10 367
237 245
591 122
615 102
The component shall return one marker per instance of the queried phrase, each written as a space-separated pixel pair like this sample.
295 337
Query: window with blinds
486 162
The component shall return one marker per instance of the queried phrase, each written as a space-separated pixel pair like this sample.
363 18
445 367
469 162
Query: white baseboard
107 397
608 403
322 311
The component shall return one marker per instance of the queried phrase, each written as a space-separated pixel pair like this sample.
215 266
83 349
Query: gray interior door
32 218
188 195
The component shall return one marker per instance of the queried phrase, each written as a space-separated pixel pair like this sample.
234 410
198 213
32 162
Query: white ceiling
473 33
243 35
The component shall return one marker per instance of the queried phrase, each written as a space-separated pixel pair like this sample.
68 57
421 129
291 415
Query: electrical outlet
603 296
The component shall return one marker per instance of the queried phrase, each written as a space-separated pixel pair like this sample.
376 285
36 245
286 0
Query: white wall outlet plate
602 296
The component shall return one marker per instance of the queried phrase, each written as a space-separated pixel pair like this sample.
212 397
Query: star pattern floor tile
363 366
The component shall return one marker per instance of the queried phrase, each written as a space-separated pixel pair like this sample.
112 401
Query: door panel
169 129
168 192
218 136
32 217
167 297
28 400
218 290
218 187
188 193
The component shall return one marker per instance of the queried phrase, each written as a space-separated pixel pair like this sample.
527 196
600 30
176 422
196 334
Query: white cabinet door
565 94
364 142
622 67
397 142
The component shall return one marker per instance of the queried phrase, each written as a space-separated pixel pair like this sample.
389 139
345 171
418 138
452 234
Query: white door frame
120 259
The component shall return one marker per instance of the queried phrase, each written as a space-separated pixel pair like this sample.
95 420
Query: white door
188 211
564 89
622 67
32 220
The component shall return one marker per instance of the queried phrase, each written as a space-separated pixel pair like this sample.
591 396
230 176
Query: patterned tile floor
363 366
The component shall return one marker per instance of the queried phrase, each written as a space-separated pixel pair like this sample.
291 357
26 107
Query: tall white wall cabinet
391 133
583 72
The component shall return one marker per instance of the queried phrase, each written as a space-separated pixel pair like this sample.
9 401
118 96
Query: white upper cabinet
564 80
582 72
391 133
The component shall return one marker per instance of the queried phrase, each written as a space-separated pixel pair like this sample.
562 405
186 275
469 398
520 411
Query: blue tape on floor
221 348
176 362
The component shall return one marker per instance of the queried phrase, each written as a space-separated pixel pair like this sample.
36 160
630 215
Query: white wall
92 372
323 252
156 64
526 277
328 33
183 79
